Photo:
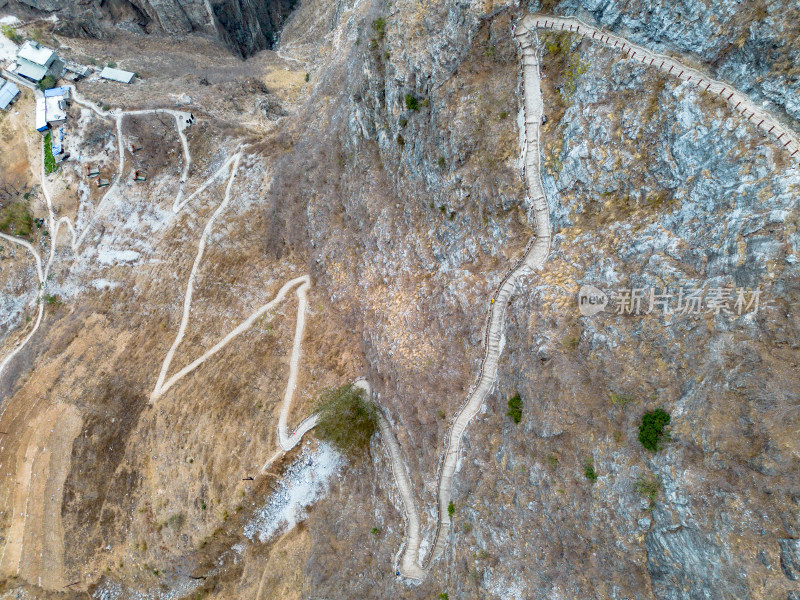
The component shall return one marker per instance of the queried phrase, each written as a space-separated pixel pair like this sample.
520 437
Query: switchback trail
76 239
412 565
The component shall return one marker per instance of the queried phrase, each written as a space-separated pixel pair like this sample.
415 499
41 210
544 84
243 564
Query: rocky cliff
394 178
246 26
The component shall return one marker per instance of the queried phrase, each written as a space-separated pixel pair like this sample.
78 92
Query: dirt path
39 297
161 387
534 256
286 441
408 567
75 239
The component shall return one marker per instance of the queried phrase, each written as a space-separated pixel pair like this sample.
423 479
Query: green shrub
375 531
111 65
16 219
515 408
441 162
380 26
411 102
308 76
451 509
177 520
50 165
648 487
554 47
621 399
652 428
12 34
47 82
575 69
444 596
401 140
346 419
588 470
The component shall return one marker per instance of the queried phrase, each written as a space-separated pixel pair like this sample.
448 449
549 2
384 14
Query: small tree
411 102
48 82
588 470
648 487
515 408
380 26
451 509
652 428
346 419
12 34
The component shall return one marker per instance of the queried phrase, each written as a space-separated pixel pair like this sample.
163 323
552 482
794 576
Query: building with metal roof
55 110
64 91
117 75
41 115
8 92
30 71
34 62
37 54
79 71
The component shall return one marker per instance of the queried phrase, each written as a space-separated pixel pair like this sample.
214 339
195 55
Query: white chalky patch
305 481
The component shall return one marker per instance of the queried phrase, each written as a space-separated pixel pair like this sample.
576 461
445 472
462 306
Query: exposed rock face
751 46
790 558
649 182
398 187
247 26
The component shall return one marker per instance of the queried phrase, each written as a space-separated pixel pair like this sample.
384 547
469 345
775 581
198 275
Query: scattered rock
271 107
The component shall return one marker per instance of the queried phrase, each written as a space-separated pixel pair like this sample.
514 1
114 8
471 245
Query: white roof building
8 91
55 110
41 115
117 75
37 54
35 61
30 70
